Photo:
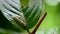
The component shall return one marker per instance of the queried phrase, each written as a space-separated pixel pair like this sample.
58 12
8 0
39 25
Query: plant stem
28 31
38 24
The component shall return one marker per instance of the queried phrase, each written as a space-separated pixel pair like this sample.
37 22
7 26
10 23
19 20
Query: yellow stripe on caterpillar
20 21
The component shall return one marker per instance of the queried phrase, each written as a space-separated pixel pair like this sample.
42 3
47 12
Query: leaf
7 12
32 13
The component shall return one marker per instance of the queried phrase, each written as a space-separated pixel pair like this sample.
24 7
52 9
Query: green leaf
8 11
5 23
32 13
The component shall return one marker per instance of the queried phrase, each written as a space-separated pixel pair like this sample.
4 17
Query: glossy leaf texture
9 9
32 12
